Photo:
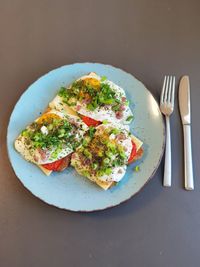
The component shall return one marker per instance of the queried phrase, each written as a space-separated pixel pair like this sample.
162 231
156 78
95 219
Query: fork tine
166 89
173 91
169 90
162 92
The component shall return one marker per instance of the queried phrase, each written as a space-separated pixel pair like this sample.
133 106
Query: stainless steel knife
184 105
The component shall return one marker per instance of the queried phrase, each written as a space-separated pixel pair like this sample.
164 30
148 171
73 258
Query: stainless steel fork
167 107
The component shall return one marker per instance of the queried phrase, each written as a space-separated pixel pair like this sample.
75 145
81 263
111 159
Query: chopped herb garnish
115 131
84 143
116 107
126 103
103 153
108 171
103 78
24 133
106 161
91 92
87 153
59 133
129 118
92 131
62 92
94 166
85 173
54 155
137 168
91 107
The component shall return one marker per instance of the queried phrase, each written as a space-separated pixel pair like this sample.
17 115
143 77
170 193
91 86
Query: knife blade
184 99
184 106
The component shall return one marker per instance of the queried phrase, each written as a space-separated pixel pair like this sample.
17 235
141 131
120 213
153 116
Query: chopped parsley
92 131
137 168
92 92
60 132
62 92
102 153
103 78
129 118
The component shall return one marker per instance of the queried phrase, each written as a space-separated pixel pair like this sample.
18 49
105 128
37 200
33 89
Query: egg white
100 113
117 172
34 156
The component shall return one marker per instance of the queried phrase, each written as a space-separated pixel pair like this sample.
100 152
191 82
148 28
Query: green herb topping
92 92
130 118
59 133
137 168
103 154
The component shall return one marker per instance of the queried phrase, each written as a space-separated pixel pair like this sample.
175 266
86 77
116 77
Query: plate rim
107 207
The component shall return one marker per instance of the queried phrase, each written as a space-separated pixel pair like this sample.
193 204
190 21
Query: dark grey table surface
148 38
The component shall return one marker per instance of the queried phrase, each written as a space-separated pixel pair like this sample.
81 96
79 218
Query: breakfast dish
105 153
61 135
68 189
50 140
95 99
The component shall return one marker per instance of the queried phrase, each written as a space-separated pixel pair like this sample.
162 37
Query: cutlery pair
167 107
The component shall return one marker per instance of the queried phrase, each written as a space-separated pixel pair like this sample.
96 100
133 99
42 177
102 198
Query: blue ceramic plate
68 190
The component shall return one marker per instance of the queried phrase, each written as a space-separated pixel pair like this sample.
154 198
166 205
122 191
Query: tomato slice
53 166
90 122
133 153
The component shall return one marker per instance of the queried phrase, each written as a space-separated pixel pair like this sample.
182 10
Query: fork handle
167 168
189 182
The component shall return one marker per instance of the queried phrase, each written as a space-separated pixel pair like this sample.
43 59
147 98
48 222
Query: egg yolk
94 83
47 117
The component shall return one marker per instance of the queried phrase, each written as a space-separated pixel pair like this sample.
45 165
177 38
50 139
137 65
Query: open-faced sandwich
95 99
50 140
105 153
60 136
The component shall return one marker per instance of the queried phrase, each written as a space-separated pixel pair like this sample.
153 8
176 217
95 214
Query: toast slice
45 171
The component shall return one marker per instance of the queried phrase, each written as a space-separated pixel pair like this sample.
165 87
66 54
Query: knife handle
189 181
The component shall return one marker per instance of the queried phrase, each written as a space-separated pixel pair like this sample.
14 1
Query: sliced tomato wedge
133 153
54 166
90 122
